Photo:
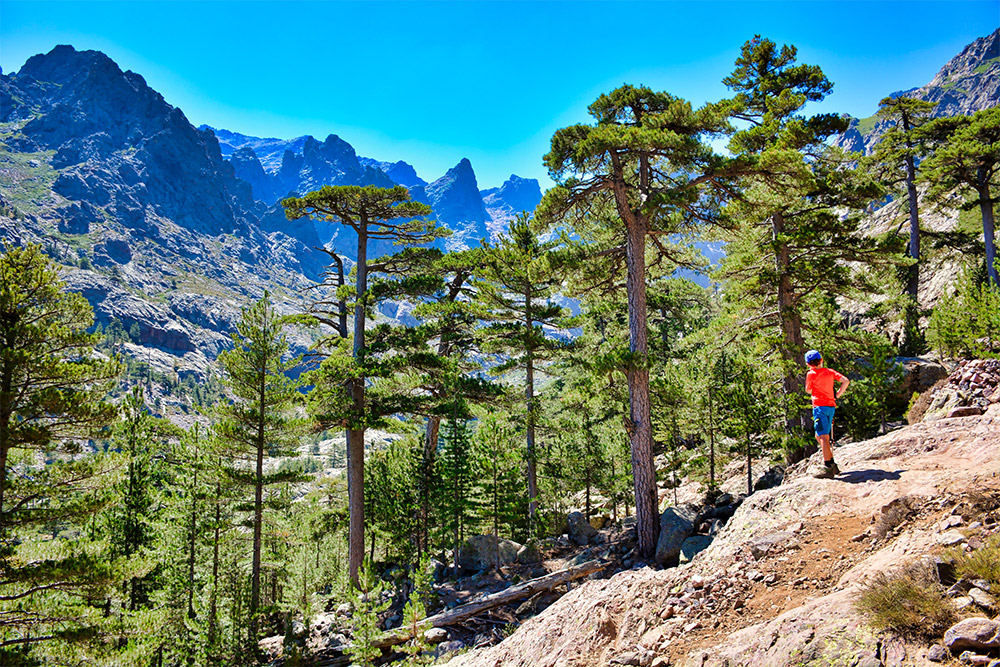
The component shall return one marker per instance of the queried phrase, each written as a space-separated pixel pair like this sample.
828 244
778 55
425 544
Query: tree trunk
192 542
529 398
258 513
640 426
6 413
791 333
989 226
356 436
472 609
913 279
711 440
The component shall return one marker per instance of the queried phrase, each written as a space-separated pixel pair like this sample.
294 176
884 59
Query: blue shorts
823 419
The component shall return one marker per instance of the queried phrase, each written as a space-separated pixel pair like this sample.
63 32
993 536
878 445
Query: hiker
819 383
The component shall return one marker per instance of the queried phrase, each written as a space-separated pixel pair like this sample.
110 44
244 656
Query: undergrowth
982 563
909 602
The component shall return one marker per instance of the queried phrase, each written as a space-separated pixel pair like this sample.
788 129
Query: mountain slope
967 83
150 221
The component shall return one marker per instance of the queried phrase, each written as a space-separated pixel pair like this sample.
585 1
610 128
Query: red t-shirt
819 383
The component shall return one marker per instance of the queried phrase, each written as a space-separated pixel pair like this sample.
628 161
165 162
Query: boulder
528 555
436 635
919 375
676 525
770 479
480 552
944 401
973 633
580 530
965 411
692 546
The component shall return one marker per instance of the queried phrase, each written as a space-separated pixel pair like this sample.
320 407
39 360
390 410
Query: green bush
983 563
909 602
967 323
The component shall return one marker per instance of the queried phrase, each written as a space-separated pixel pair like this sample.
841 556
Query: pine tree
966 156
498 467
516 283
52 395
456 487
374 214
789 237
896 156
259 423
637 172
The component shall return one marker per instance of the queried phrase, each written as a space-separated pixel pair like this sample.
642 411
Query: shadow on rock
871 475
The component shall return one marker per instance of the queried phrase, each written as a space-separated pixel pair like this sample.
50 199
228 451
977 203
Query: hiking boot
825 472
832 466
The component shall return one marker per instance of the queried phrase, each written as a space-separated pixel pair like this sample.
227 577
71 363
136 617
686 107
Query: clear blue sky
433 82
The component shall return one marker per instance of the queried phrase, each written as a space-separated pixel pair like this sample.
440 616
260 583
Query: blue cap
812 356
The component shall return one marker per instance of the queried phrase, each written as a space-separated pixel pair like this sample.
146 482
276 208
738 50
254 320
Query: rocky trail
777 585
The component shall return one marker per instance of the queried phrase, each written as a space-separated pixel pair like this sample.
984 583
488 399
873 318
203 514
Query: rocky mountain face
153 225
968 83
275 169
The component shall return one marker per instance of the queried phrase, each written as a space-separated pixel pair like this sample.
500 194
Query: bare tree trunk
529 397
989 226
791 333
639 426
711 440
356 436
258 515
192 542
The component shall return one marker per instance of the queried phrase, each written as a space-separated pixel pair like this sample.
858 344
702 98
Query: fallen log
470 609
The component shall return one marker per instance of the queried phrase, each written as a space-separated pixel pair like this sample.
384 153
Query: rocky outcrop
515 196
111 302
457 204
968 391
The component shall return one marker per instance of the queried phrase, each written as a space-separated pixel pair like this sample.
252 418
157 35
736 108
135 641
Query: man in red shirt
819 383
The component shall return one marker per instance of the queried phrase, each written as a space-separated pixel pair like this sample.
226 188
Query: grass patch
27 178
909 602
866 125
983 563
986 66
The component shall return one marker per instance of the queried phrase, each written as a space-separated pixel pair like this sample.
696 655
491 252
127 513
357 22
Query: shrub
967 323
983 563
909 602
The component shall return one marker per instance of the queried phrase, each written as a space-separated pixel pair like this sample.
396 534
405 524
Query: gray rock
965 411
983 599
436 635
676 525
693 546
480 552
449 647
528 555
938 653
951 538
580 530
770 479
974 634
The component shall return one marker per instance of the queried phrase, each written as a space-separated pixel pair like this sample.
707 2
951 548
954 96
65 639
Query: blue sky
433 82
